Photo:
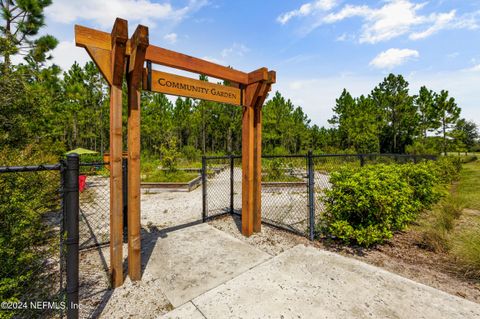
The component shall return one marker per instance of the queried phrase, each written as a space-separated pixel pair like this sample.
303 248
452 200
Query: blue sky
317 47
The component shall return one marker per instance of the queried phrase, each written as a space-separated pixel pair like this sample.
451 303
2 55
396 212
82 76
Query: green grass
168 177
439 222
469 186
465 239
453 225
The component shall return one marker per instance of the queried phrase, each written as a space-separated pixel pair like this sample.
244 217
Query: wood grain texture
139 44
103 60
182 86
257 162
116 198
188 63
134 227
258 75
119 39
248 158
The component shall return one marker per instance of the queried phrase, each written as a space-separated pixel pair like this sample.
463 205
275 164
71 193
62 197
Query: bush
447 168
366 205
424 181
191 153
26 240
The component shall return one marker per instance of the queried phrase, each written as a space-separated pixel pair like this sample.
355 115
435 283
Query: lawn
452 225
469 185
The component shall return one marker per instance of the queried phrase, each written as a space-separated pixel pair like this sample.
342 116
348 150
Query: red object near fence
82 182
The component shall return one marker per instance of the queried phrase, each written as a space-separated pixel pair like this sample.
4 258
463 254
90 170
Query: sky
316 47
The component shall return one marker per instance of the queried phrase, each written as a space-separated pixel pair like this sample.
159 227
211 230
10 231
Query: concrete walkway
206 273
193 260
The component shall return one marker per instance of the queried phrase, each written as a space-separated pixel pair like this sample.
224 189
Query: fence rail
292 185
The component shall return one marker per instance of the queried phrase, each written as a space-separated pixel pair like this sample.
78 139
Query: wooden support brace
119 37
139 44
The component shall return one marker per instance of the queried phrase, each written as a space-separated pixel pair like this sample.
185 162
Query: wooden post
257 195
139 44
247 170
248 157
257 170
119 39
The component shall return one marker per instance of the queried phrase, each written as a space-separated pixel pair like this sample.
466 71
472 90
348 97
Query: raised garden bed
187 186
285 184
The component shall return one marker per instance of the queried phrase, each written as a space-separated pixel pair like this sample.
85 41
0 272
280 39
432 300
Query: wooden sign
173 84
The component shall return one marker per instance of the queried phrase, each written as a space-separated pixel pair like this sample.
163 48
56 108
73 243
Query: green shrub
424 181
170 155
447 168
191 153
26 240
366 205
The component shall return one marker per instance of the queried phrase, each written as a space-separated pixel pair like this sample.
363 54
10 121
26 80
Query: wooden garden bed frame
117 56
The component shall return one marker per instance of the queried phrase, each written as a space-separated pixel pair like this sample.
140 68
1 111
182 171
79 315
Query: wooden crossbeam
87 37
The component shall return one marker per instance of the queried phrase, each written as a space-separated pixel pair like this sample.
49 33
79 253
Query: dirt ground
401 255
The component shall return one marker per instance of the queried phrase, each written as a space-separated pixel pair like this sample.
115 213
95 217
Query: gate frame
115 56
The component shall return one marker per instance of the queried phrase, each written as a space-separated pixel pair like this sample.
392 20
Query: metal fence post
125 197
204 189
362 160
311 194
231 183
71 211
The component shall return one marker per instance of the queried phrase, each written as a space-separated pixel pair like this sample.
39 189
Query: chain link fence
32 238
94 220
292 185
94 236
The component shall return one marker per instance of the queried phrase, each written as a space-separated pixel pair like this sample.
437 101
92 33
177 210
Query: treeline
390 120
43 108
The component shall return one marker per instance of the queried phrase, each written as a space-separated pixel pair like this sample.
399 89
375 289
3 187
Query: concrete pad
193 260
305 282
187 310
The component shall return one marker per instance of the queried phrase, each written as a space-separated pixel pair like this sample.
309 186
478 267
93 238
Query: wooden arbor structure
117 56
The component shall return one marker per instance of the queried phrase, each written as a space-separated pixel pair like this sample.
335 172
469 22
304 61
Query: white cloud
170 37
236 49
307 9
393 57
475 68
104 12
66 53
394 18
441 21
